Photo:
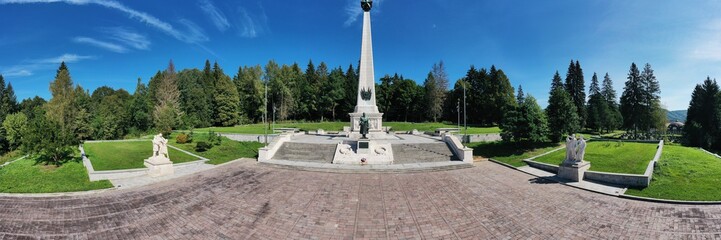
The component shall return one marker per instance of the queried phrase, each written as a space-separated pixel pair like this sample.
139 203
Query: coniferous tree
140 109
193 99
632 100
703 121
225 99
333 91
655 114
436 86
612 120
575 86
167 114
561 111
351 92
525 122
61 109
502 94
597 107
250 92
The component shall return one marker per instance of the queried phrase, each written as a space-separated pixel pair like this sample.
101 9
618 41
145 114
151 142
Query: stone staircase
306 152
422 153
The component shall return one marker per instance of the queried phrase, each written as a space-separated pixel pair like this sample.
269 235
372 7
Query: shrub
182 138
214 138
202 146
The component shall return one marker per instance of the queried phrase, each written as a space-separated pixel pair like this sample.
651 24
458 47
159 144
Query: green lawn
338 126
227 151
10 156
510 153
127 155
684 173
25 176
614 157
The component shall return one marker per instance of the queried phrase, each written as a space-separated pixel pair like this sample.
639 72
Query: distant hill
678 115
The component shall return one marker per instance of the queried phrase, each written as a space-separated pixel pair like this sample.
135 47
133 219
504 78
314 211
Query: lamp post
465 126
458 110
265 114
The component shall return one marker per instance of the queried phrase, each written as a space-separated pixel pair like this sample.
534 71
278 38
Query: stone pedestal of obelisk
366 98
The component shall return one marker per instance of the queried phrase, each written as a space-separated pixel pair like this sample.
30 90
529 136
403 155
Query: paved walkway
245 200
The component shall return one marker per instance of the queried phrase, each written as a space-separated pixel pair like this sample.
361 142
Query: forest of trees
194 98
569 111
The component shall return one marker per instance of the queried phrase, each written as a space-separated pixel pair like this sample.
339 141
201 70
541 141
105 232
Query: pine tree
167 114
653 118
632 101
333 91
140 108
703 121
597 108
525 122
436 86
612 120
501 93
561 112
250 92
61 109
575 87
193 99
225 99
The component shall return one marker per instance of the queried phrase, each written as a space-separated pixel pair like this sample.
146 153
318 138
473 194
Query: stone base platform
573 171
159 166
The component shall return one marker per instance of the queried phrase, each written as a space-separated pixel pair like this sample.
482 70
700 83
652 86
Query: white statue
581 149
160 146
571 148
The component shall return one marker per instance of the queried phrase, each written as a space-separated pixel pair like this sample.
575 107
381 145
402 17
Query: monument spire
366 98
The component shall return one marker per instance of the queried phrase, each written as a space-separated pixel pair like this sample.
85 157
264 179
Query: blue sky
114 43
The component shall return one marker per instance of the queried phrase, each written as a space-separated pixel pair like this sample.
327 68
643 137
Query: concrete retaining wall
249 137
543 166
463 153
491 137
631 180
267 152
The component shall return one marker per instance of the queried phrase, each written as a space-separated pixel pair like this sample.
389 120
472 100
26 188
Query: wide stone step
307 152
422 152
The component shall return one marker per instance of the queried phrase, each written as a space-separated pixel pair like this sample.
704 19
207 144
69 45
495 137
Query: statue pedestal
365 149
375 122
573 170
159 166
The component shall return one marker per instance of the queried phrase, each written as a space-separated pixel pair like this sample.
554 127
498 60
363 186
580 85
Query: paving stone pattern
245 200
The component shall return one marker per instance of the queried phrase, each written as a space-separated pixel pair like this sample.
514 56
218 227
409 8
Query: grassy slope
684 173
10 156
25 176
510 153
227 151
337 126
126 155
612 157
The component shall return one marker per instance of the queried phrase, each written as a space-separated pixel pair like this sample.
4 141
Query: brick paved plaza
244 200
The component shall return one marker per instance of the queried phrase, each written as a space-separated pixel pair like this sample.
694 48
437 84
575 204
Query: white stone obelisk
366 81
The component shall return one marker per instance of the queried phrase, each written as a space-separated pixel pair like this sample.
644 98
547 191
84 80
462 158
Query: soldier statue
364 125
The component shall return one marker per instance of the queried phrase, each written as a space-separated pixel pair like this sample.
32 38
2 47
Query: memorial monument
366 98
159 163
366 120
573 167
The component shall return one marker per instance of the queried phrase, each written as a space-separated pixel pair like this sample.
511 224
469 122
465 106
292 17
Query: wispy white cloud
29 67
132 13
67 58
194 33
16 72
707 42
252 24
101 44
128 37
353 10
215 15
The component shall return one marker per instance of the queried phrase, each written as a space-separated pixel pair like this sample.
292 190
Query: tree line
569 111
